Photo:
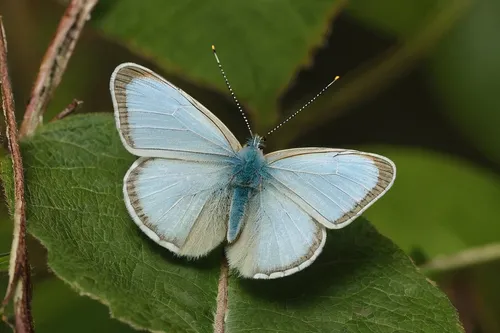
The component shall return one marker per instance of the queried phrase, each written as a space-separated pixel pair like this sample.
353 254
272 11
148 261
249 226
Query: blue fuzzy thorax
251 161
247 178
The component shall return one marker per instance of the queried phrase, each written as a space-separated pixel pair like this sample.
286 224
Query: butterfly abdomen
247 179
237 211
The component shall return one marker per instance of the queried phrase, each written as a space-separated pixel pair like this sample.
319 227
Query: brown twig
55 61
220 314
68 110
19 269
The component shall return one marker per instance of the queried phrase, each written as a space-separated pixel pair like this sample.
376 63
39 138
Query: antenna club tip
213 47
337 77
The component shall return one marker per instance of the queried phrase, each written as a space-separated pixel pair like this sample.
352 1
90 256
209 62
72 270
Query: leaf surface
178 36
74 171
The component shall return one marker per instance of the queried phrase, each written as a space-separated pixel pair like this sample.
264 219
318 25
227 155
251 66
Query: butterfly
195 186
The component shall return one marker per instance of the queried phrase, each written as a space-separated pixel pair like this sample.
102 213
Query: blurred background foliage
418 85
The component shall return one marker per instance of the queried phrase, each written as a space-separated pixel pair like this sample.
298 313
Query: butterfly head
256 141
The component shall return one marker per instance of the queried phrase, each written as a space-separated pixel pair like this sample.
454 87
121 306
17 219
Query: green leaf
447 204
178 36
74 171
361 283
465 71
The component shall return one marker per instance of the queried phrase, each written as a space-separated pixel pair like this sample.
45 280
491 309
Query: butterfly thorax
247 177
249 166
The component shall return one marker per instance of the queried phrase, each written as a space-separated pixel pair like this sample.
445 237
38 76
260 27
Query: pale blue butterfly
195 186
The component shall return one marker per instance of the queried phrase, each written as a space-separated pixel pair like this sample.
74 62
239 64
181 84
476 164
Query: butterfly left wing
334 186
155 118
278 238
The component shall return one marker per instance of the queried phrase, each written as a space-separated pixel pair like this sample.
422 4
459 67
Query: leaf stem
55 61
19 270
220 315
68 110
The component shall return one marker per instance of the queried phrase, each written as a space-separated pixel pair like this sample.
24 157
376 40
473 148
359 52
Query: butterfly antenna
231 91
303 107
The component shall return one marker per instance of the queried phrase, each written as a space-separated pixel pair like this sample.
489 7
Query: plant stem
220 314
55 61
462 259
19 270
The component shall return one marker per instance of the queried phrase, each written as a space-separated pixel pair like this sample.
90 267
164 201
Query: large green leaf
261 43
447 204
361 283
74 171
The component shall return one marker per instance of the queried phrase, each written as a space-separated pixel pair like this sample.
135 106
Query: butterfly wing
177 192
334 186
304 191
279 238
157 119
181 205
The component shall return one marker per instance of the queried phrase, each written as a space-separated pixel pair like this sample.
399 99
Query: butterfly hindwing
278 239
334 186
157 119
181 205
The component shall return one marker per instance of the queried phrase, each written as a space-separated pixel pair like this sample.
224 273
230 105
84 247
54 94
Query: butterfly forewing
334 186
155 118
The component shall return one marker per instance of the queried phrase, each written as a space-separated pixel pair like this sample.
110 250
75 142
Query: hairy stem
19 270
220 315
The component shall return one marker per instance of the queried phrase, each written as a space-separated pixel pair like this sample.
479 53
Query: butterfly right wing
334 186
181 205
157 119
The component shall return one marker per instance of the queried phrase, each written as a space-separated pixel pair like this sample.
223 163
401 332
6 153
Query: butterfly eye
262 143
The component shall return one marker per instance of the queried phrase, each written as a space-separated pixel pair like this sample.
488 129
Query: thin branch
68 110
220 314
19 269
466 258
55 61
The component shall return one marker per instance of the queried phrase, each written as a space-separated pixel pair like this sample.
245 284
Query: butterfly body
249 171
194 186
